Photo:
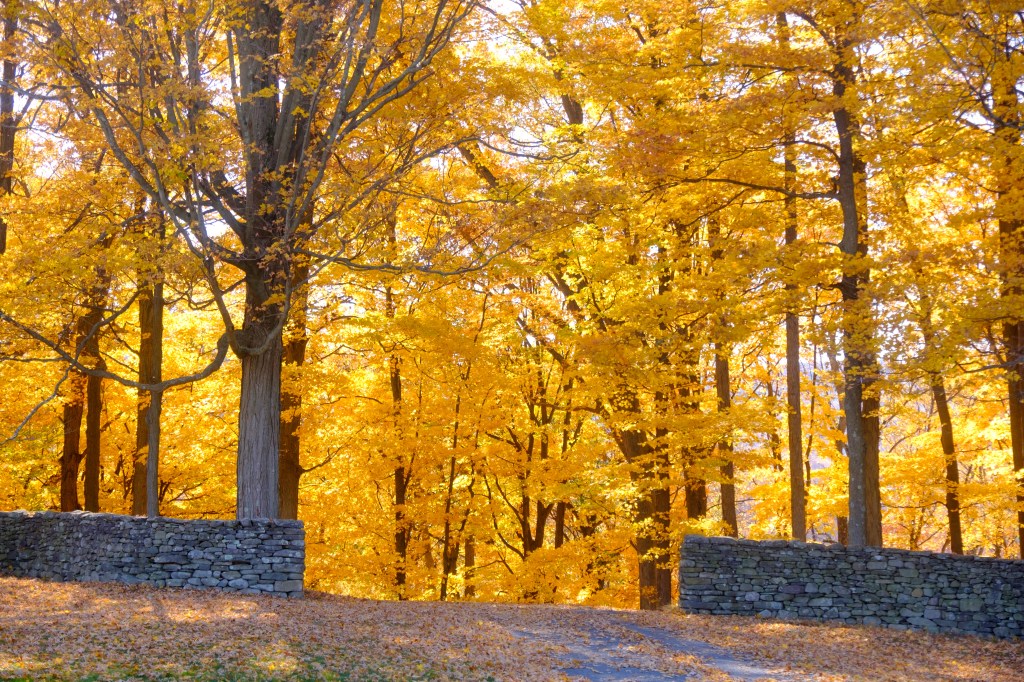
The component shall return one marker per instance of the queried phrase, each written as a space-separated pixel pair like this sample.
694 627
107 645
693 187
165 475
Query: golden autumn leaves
522 276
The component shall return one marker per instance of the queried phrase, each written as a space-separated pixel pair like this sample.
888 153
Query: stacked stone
256 556
893 588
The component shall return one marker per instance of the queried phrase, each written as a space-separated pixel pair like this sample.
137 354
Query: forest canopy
502 298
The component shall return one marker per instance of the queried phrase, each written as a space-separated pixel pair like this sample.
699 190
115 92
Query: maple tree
503 299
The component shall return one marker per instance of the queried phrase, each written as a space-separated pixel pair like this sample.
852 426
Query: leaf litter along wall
255 556
873 586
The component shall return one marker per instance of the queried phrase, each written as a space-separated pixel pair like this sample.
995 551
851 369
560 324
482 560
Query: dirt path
74 631
589 644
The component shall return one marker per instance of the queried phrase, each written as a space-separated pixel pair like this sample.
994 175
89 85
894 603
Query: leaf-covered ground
72 631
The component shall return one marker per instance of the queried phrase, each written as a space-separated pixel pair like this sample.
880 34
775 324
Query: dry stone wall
888 587
252 557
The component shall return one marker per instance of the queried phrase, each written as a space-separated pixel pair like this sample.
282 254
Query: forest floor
76 631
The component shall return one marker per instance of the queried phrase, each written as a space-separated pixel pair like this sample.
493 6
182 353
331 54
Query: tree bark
259 343
1007 121
938 389
90 352
794 423
151 327
85 391
469 562
860 405
401 474
93 436
296 340
259 422
71 452
695 488
153 455
794 419
650 517
722 388
560 509
956 541
450 548
8 122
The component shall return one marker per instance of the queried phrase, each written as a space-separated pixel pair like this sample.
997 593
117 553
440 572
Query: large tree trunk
296 339
1012 338
259 343
650 517
259 420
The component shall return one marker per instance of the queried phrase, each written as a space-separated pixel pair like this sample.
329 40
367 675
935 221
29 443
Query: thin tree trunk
696 494
952 466
650 516
296 339
94 385
452 535
8 122
401 475
153 455
831 352
662 499
860 405
1012 338
797 489
722 388
843 530
156 400
450 549
93 437
142 402
85 391
560 509
695 489
151 325
401 529
794 418
71 452
469 561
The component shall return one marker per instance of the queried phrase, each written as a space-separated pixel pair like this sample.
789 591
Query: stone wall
889 587
251 557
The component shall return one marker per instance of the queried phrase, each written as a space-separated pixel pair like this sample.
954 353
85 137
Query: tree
293 70
8 120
